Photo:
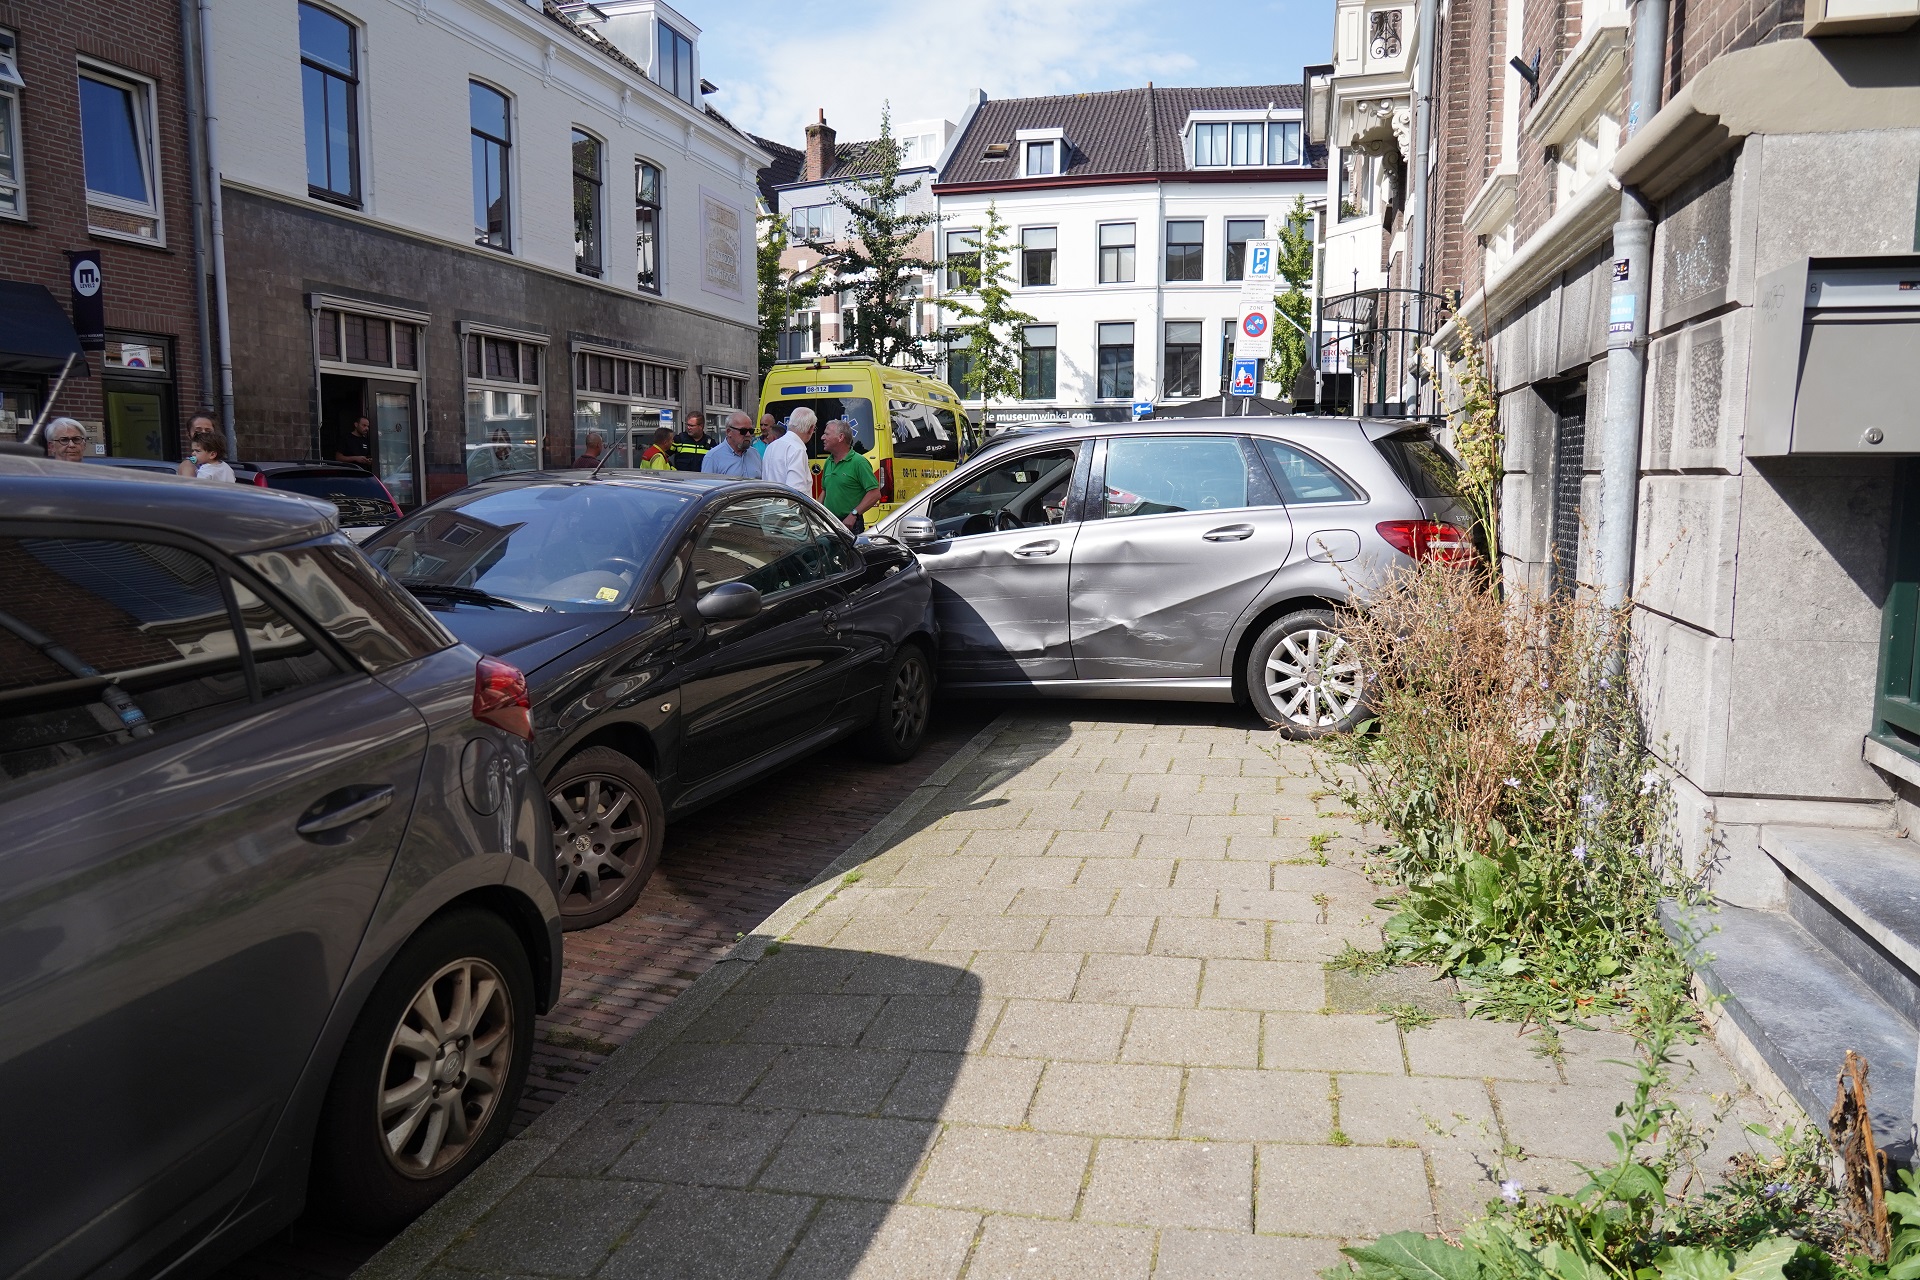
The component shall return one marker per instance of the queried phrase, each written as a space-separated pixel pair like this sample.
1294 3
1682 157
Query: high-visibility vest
689 454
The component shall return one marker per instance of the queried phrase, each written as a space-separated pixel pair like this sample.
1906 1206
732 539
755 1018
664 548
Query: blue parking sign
1261 263
1246 378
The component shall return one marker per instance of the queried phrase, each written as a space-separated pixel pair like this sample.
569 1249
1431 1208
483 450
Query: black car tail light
260 478
500 698
1424 540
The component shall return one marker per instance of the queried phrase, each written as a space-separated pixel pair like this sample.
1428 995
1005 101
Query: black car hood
528 640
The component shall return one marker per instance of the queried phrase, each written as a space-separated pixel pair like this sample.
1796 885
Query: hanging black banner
89 298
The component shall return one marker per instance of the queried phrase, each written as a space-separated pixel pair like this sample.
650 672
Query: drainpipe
1417 165
197 195
215 203
1627 324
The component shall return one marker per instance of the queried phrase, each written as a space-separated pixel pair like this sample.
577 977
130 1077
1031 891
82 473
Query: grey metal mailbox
1835 365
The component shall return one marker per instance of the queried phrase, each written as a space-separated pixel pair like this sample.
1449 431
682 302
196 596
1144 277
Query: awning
35 334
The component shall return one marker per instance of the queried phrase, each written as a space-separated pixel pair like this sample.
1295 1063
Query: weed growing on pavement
1525 815
1319 841
1771 1218
1407 1017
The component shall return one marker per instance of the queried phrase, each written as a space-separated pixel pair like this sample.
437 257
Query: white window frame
147 122
10 86
1049 147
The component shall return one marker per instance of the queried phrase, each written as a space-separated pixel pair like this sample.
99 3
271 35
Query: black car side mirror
729 602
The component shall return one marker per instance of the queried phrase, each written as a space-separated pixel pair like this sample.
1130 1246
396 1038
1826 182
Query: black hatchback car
682 635
275 904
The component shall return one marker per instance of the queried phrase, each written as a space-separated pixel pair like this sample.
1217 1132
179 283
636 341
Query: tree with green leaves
876 266
781 291
1296 303
990 333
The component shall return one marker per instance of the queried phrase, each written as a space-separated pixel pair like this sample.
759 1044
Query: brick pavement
724 870
1070 1020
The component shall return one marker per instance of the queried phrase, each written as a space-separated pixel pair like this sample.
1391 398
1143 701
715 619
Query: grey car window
1012 493
1303 478
104 642
767 543
364 610
1154 475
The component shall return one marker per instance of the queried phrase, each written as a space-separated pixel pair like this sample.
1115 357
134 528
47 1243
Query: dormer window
1245 144
673 65
1042 152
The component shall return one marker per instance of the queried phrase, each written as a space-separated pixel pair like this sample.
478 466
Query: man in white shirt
785 461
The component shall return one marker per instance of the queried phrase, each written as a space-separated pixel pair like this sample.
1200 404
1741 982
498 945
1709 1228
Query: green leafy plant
877 267
988 341
1526 817
1478 442
1294 303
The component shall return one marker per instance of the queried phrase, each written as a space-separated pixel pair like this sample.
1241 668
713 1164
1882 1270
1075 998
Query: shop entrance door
139 419
393 410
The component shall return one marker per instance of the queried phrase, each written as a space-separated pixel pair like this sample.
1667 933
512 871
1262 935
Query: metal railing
1371 353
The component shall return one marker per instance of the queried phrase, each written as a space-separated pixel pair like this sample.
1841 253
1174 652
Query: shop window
1116 361
503 426
13 201
1182 359
646 223
618 399
492 142
329 92
345 337
116 134
724 391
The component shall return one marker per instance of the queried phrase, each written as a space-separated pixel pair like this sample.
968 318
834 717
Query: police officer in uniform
690 446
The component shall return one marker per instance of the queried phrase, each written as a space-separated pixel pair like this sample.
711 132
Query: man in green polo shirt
847 486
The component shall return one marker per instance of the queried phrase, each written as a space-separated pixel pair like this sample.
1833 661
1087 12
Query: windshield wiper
465 595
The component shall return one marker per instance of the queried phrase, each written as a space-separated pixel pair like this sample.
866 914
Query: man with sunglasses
734 456
66 440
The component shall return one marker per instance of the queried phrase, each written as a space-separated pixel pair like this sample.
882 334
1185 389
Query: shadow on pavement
773 1134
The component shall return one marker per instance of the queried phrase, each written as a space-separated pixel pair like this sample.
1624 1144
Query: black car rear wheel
899 726
608 826
431 1074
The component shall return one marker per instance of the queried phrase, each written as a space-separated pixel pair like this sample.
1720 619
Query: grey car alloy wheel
1313 677
909 702
599 837
447 1063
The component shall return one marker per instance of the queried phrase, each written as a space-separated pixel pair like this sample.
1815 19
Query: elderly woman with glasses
66 440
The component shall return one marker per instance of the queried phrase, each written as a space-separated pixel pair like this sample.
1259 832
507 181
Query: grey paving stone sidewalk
1073 1021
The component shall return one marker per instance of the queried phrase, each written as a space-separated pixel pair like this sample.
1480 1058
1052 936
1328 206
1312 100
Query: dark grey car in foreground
1202 559
275 900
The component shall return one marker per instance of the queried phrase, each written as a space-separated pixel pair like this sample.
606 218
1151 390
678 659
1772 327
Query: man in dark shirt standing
357 448
690 446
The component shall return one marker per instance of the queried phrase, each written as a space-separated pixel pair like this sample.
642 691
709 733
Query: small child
209 457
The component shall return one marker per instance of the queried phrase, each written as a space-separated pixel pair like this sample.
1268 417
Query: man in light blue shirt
734 456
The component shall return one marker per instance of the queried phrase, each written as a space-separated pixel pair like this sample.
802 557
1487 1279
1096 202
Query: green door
1896 709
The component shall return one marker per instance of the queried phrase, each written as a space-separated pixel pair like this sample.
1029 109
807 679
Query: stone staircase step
1858 892
1802 1009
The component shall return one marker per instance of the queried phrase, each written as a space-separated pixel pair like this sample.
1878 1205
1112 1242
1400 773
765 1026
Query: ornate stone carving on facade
1378 126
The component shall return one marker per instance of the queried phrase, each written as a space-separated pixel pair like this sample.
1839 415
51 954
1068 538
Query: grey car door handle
1032 549
357 804
1229 533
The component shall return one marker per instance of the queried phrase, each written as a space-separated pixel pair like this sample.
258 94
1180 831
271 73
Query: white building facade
490 226
1128 213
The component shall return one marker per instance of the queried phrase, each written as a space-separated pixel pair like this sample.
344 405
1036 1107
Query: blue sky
777 60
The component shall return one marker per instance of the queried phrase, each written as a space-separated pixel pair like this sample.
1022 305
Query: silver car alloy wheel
445 1066
588 838
1314 678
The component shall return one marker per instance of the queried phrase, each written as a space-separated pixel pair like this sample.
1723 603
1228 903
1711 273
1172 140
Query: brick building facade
98 159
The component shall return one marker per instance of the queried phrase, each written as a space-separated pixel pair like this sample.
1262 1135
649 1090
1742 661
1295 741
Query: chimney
819 148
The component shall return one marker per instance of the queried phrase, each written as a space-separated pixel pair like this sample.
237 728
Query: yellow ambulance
910 426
